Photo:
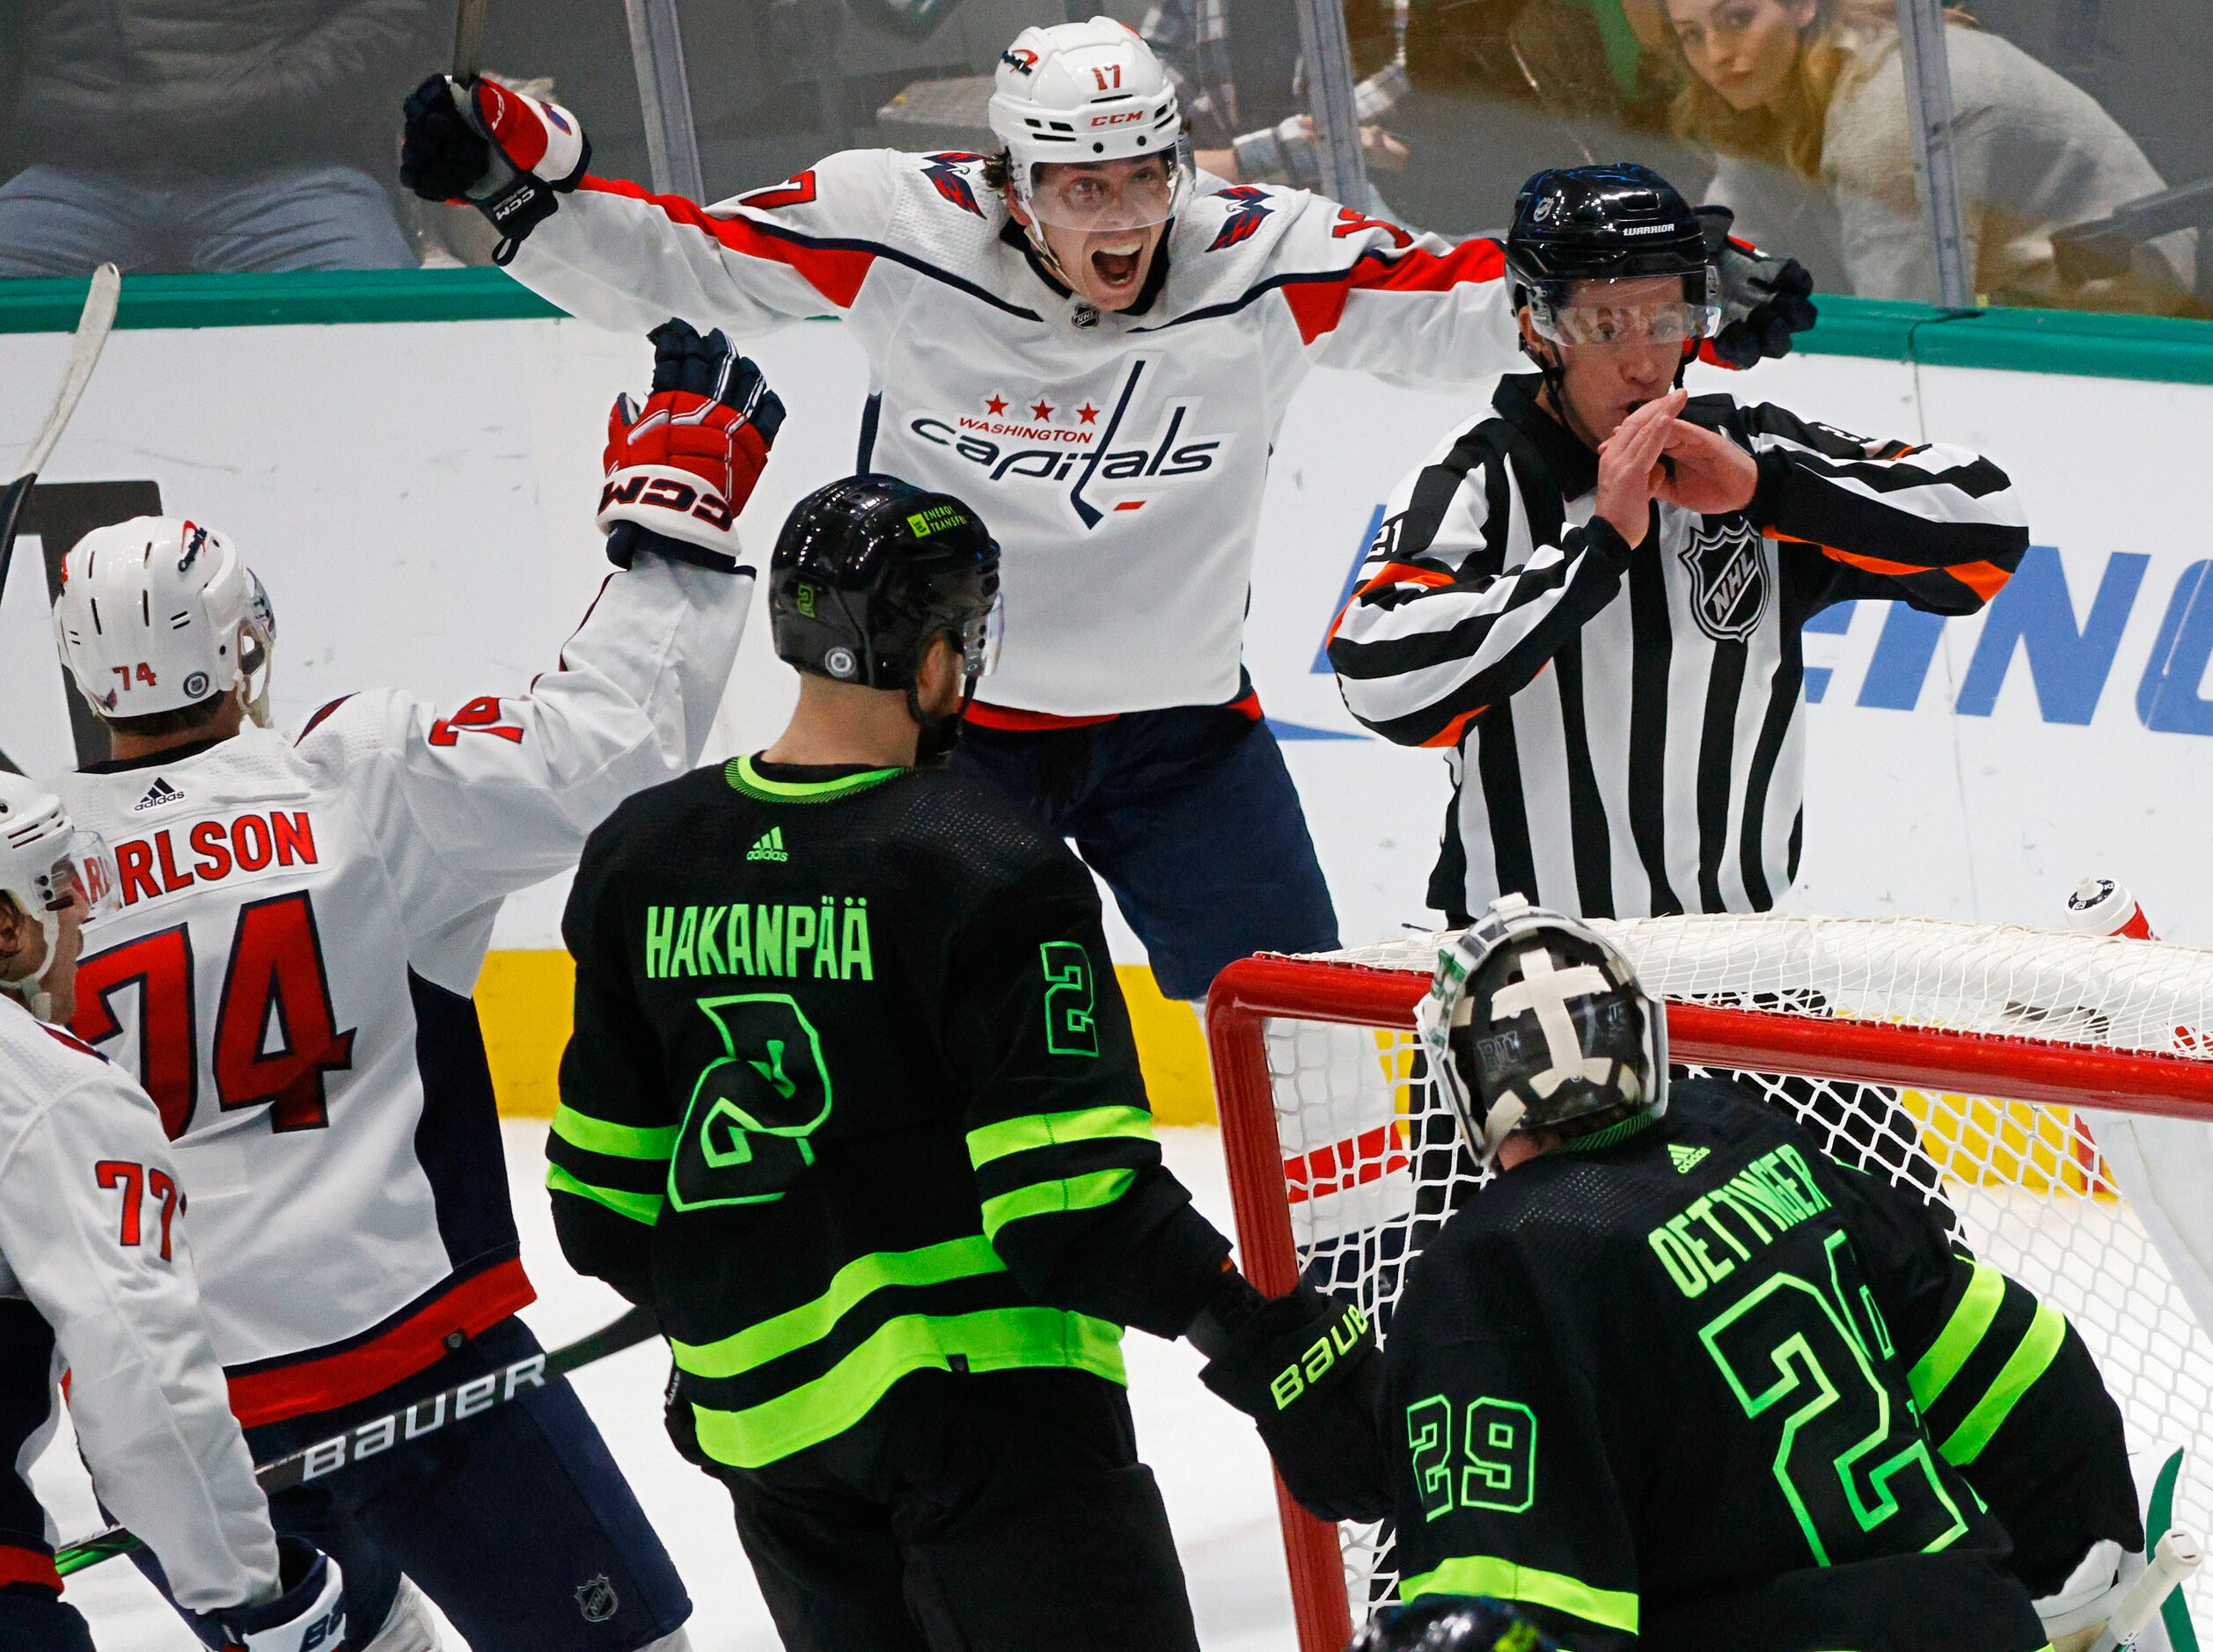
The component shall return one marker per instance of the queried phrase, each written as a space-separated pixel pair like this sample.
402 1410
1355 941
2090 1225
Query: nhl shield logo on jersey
596 1599
1728 578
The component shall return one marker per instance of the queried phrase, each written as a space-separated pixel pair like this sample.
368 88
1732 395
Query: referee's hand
1628 468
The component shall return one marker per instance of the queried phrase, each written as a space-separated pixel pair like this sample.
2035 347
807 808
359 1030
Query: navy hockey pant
1001 1511
517 1522
1190 815
34 1618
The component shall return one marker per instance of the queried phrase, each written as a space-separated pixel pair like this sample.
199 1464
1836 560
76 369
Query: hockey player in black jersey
852 1102
1675 1380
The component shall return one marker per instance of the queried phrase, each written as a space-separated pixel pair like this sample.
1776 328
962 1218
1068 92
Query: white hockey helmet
1072 92
44 863
158 613
1534 1020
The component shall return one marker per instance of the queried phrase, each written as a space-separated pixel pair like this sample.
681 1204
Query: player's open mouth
1117 267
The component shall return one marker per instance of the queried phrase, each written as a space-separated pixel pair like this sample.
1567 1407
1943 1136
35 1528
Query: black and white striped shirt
1657 766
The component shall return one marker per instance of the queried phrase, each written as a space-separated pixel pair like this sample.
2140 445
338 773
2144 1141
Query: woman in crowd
1803 103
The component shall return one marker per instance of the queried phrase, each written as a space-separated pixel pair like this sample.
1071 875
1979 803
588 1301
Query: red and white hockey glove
680 471
310 1615
1764 299
504 154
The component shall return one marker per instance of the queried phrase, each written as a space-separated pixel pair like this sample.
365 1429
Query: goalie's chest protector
330 1108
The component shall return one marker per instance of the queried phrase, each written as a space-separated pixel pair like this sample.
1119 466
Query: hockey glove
309 1615
1306 1371
506 154
1764 300
679 471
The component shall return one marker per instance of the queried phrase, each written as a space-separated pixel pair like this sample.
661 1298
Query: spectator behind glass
204 135
1790 90
1239 80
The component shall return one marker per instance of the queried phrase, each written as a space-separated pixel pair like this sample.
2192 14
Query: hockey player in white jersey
96 1278
303 919
1070 336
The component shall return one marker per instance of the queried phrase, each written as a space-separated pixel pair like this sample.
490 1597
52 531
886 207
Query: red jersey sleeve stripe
835 272
1318 303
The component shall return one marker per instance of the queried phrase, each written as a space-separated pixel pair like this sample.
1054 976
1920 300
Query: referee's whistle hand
1705 471
1628 469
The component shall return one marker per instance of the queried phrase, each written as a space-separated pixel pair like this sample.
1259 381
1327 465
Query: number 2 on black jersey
1858 1475
275 1033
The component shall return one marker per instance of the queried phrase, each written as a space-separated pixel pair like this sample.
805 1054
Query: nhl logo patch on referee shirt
1728 578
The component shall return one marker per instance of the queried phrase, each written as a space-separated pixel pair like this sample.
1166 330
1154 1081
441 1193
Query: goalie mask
1534 1021
158 614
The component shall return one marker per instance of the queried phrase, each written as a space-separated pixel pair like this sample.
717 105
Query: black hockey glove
310 1613
504 154
679 470
1764 300
1306 1371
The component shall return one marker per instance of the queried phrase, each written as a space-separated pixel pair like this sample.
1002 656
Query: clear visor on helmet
1623 315
981 637
1103 197
84 872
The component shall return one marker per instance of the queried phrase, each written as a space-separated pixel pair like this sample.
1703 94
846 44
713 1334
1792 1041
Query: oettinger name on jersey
824 941
1042 440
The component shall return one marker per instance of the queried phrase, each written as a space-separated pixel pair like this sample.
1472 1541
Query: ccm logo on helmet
670 494
1123 119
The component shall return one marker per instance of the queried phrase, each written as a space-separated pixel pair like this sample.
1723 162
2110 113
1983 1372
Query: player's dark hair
999 171
178 720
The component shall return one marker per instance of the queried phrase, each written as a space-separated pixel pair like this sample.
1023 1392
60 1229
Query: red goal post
1946 1014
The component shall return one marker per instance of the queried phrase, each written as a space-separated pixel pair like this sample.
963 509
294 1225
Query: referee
1660 554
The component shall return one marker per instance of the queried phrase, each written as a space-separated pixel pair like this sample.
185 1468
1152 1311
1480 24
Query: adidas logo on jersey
1686 1158
771 847
159 794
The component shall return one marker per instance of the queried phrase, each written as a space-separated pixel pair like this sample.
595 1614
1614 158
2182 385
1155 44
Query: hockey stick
468 40
477 1395
94 325
94 322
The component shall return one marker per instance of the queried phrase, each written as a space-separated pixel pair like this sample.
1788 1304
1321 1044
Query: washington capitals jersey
1690 1386
853 1094
1625 728
1120 457
96 1278
304 919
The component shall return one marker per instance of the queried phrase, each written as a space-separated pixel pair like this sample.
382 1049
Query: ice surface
1210 1463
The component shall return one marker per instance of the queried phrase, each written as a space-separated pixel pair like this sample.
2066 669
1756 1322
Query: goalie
1678 1381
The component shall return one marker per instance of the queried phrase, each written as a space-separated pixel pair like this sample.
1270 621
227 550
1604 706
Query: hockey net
2019 1077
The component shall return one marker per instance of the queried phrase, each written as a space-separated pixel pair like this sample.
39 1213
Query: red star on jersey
1041 409
1086 414
996 405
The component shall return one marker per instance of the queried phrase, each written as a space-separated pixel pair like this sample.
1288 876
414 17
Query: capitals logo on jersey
1252 207
1728 578
1106 442
945 175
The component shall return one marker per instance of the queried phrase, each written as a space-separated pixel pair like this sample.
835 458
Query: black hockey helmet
1450 1623
870 570
1533 1019
1615 223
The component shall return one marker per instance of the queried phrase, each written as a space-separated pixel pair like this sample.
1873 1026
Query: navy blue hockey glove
1450 1623
679 470
1764 300
309 1616
1306 1371
484 143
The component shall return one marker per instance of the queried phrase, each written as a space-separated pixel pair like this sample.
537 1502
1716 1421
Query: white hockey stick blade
93 325
2172 1563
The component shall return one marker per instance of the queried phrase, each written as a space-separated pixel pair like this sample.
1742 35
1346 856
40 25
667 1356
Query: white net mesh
1371 1166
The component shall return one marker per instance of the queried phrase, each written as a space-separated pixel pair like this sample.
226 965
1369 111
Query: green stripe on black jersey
1996 1343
